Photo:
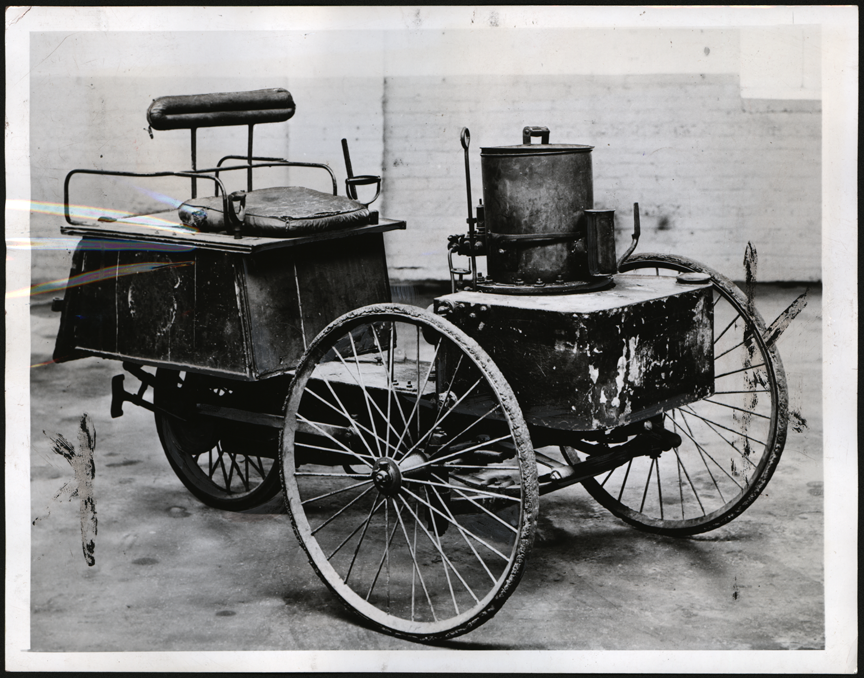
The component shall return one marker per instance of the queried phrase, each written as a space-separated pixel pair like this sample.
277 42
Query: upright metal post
249 171
194 163
465 138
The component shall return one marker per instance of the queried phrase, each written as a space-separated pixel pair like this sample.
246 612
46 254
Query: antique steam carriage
412 445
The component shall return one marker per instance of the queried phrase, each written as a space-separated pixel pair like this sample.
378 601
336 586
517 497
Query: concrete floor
172 574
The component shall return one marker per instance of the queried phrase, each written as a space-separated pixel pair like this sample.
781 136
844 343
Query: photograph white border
839 60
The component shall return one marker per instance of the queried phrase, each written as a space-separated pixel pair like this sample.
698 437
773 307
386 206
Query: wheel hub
387 476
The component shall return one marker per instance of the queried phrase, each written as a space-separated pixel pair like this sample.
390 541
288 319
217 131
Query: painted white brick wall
710 170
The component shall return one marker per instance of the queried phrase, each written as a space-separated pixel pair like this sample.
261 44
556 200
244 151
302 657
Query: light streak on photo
103 215
93 276
70 244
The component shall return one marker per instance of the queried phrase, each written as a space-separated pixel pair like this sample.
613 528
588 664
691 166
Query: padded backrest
220 110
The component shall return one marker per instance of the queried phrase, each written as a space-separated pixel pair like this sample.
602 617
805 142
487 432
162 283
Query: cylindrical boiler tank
536 197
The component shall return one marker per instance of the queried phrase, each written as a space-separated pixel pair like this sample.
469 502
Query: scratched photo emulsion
366 340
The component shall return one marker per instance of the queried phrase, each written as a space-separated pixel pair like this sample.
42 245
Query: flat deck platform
165 228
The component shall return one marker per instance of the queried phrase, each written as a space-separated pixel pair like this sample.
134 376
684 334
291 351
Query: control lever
362 180
465 139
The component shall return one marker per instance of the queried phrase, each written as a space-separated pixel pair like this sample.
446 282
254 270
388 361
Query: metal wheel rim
206 484
489 602
773 440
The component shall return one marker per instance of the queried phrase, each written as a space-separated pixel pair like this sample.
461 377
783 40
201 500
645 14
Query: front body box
593 361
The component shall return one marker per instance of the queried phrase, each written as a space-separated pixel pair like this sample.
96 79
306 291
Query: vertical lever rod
465 139
350 190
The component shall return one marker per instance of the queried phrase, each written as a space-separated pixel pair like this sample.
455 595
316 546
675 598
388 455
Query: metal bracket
119 395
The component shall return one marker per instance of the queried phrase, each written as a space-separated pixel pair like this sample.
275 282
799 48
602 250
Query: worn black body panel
597 360
243 316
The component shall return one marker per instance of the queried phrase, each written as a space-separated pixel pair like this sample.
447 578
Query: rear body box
244 315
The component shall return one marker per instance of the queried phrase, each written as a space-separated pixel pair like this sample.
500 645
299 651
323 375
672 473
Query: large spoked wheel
731 440
226 464
409 472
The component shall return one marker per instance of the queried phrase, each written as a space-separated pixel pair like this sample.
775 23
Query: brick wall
709 170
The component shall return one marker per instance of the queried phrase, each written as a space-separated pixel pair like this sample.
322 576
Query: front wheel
409 473
731 440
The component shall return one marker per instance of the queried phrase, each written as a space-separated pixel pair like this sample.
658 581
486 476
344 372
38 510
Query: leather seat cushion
279 212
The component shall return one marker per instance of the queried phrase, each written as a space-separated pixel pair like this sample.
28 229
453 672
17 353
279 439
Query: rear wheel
731 440
409 473
226 464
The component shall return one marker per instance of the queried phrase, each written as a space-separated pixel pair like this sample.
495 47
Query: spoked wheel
731 440
409 473
226 464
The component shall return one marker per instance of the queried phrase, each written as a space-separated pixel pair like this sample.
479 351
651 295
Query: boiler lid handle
531 131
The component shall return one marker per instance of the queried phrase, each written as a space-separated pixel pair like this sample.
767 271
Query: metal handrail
281 162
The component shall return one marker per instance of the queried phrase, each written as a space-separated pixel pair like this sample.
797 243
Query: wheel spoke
443 564
439 421
413 570
221 462
362 526
335 492
680 481
462 533
354 424
338 442
345 508
711 421
681 467
737 315
732 407
388 366
385 554
626 475
366 397
459 453
703 453
420 390
470 426
729 350
456 523
743 369
444 400
231 466
414 559
477 493
375 506
647 482
477 504
728 442
432 540
330 475
659 492
345 413
239 472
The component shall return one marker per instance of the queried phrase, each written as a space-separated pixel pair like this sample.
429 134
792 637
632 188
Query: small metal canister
535 197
